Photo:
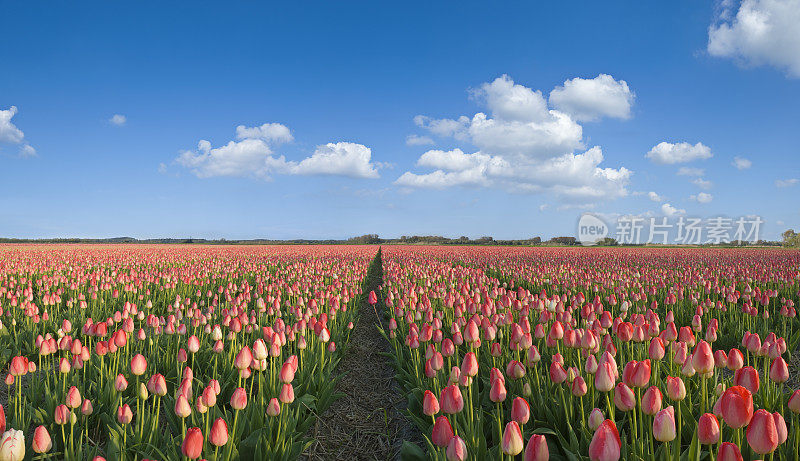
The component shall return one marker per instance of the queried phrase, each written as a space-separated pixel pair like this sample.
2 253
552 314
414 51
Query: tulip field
600 354
161 352
170 352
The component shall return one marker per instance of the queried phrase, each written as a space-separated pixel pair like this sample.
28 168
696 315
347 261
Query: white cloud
162 168
118 120
592 99
667 153
253 156
670 210
341 158
689 171
702 183
8 132
702 197
274 133
786 182
655 197
416 140
762 32
741 163
522 146
27 151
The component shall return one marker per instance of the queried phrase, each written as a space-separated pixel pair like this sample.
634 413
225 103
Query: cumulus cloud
522 146
786 182
670 210
253 155
10 134
118 119
741 163
666 153
416 140
761 32
269 132
341 158
702 197
592 99
655 197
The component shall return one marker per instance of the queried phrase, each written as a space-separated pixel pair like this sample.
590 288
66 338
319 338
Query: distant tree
607 242
536 240
791 238
564 240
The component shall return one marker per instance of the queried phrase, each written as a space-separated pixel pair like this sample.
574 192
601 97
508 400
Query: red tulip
537 450
520 410
138 365
124 414
605 445
624 399
442 431
779 371
219 433
239 399
703 359
708 429
430 405
762 435
451 400
287 393
737 407
192 445
747 377
676 390
651 401
729 452
41 440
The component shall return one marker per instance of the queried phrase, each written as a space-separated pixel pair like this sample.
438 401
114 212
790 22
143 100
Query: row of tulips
593 360
139 353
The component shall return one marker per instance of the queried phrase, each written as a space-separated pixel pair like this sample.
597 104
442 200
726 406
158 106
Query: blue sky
349 116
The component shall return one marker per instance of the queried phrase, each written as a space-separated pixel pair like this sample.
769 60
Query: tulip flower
537 450
729 452
762 434
430 405
512 443
664 425
41 440
651 401
12 445
192 445
520 411
273 407
595 419
442 431
605 444
456 449
708 429
451 400
737 407
218 436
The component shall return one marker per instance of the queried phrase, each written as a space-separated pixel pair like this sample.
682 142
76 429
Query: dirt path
367 423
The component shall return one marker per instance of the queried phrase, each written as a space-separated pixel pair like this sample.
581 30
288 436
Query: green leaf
412 452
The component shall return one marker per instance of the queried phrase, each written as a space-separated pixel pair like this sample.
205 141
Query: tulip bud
219 433
41 440
512 442
192 445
